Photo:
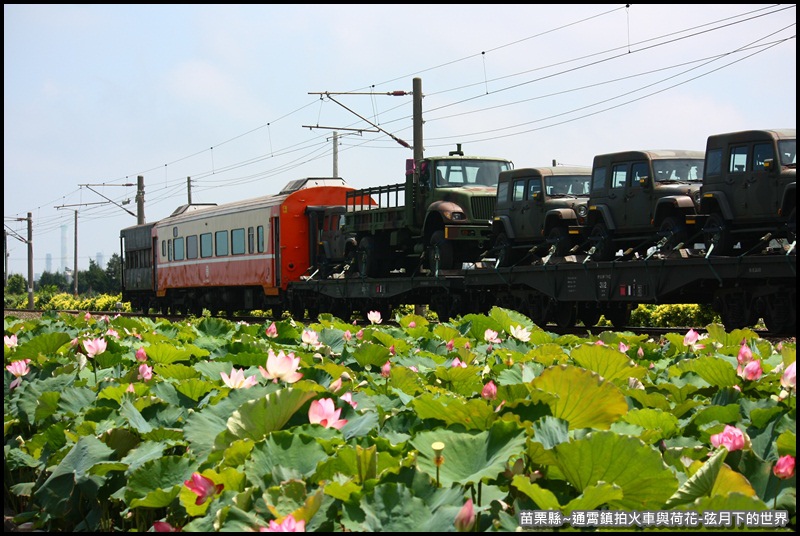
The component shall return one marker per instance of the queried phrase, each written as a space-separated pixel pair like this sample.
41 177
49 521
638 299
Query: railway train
301 250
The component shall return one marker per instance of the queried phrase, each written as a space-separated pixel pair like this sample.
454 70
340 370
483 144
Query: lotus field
483 423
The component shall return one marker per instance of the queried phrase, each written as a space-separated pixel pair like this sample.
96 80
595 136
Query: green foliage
613 422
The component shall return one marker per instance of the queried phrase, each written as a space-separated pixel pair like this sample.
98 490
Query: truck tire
368 260
440 253
604 246
675 230
560 237
503 250
717 232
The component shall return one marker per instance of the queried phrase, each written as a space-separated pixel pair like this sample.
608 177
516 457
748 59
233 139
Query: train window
178 246
191 247
251 240
738 162
619 176
237 241
260 231
169 249
221 246
599 179
163 249
206 249
713 162
519 190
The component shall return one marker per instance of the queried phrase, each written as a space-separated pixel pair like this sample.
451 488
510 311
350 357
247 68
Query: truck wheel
560 237
440 253
367 258
601 239
565 314
503 250
717 232
675 230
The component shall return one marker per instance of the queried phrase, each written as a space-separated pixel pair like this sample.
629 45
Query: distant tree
16 284
93 280
114 275
57 279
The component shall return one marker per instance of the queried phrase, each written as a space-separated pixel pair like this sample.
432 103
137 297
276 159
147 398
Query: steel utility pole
30 260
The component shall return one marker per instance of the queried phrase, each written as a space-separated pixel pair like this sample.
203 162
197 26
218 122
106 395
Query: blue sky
99 94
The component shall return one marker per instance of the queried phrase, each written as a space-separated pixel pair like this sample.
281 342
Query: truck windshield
457 173
682 169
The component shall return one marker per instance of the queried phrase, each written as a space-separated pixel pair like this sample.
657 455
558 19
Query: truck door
765 190
638 202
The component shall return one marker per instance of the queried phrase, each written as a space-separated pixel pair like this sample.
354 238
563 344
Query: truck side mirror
644 181
537 196
769 164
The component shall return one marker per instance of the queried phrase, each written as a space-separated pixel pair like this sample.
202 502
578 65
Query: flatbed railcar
575 288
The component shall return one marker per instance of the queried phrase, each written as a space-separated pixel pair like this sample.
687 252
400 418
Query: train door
276 248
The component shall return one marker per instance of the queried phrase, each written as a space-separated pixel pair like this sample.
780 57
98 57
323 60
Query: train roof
289 189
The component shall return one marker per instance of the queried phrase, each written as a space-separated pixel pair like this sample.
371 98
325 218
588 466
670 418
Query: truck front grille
483 207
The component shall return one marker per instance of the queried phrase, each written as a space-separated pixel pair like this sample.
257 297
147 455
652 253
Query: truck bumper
467 232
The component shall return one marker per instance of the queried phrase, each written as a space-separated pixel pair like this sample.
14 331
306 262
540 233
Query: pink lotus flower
272 331
348 397
94 346
490 336
236 380
520 333
386 369
311 338
10 341
347 335
731 438
450 345
145 372
784 467
141 355
87 316
745 354
281 367
203 487
130 389
489 391
752 371
415 369
690 340
374 317
163 526
112 333
465 518
325 413
412 324
18 369
789 378
289 524
458 363
392 351
640 352
360 334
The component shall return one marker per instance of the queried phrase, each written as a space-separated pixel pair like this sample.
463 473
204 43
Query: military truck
640 200
536 208
748 193
436 222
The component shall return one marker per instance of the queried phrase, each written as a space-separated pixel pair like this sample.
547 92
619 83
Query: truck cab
536 208
749 189
640 199
438 219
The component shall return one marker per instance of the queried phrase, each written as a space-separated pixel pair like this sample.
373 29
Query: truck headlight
454 215
697 197
582 211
